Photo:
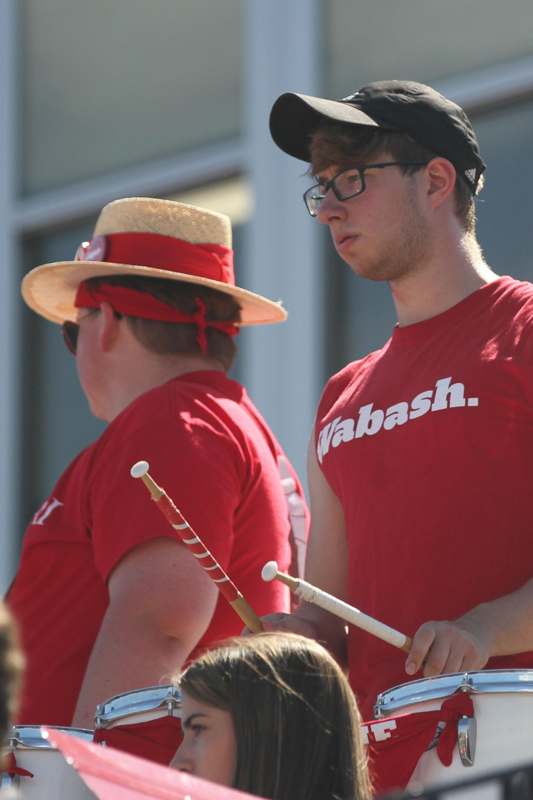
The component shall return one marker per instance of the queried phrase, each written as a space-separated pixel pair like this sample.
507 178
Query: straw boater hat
154 239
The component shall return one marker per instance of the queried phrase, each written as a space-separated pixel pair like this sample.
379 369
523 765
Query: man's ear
441 178
109 327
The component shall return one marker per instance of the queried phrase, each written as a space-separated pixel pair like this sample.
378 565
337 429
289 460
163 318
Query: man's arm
160 604
326 565
501 627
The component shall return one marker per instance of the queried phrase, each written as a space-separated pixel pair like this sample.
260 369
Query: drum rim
148 698
489 681
20 736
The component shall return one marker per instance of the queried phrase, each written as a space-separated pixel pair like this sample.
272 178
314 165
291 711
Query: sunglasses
71 330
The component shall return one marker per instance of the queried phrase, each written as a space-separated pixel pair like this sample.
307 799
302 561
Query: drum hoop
426 689
138 701
29 737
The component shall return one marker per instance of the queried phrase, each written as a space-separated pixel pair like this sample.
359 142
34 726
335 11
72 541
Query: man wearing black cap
421 463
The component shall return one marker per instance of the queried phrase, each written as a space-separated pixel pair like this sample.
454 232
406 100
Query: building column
10 302
283 364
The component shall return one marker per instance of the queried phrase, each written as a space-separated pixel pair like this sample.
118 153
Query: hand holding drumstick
458 636
311 594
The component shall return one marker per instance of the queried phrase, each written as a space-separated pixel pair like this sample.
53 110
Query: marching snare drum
53 778
498 736
143 722
140 705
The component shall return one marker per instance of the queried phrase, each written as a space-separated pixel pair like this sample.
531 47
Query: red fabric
393 759
114 775
10 766
436 500
213 261
146 306
214 455
156 740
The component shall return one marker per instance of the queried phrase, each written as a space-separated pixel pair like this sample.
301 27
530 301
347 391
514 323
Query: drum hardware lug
172 702
467 683
466 740
170 707
98 716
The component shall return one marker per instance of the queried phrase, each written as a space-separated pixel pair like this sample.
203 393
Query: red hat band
134 303
142 249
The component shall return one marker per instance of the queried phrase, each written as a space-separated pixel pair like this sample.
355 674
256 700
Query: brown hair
168 338
335 143
11 665
296 721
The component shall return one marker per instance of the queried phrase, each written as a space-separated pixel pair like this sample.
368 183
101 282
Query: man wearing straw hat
421 464
106 599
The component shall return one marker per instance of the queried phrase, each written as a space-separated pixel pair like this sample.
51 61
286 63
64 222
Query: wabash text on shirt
370 421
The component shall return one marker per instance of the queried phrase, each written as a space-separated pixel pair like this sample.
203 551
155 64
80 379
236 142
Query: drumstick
197 547
306 591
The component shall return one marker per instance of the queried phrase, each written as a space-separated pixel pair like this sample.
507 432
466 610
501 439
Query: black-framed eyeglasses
70 331
348 183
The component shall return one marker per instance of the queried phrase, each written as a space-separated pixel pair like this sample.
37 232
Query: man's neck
449 277
152 372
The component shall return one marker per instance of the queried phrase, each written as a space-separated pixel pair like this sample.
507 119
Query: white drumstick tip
139 469
269 571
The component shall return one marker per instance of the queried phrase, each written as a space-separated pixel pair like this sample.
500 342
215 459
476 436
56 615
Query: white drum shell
53 779
503 709
140 705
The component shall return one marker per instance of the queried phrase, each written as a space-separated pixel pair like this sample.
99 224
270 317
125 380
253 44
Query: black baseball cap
413 108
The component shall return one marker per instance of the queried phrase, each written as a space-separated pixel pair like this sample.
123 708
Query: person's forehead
191 706
331 170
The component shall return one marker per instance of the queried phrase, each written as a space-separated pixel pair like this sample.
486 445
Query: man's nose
330 208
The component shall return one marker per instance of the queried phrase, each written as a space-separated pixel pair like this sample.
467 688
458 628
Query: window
420 40
107 85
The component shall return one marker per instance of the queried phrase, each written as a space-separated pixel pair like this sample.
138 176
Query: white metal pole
283 364
10 303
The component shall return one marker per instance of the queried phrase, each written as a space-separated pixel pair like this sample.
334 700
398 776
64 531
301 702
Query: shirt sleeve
192 459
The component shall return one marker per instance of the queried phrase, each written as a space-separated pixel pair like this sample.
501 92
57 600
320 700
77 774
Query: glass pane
106 85
57 422
420 40
232 196
361 313
504 205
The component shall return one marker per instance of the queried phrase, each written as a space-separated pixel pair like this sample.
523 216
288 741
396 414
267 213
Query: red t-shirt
428 444
211 451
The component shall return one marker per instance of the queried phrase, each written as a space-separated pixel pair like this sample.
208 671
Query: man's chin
97 411
370 272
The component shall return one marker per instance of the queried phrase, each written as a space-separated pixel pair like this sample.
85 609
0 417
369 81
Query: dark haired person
421 463
273 715
107 599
